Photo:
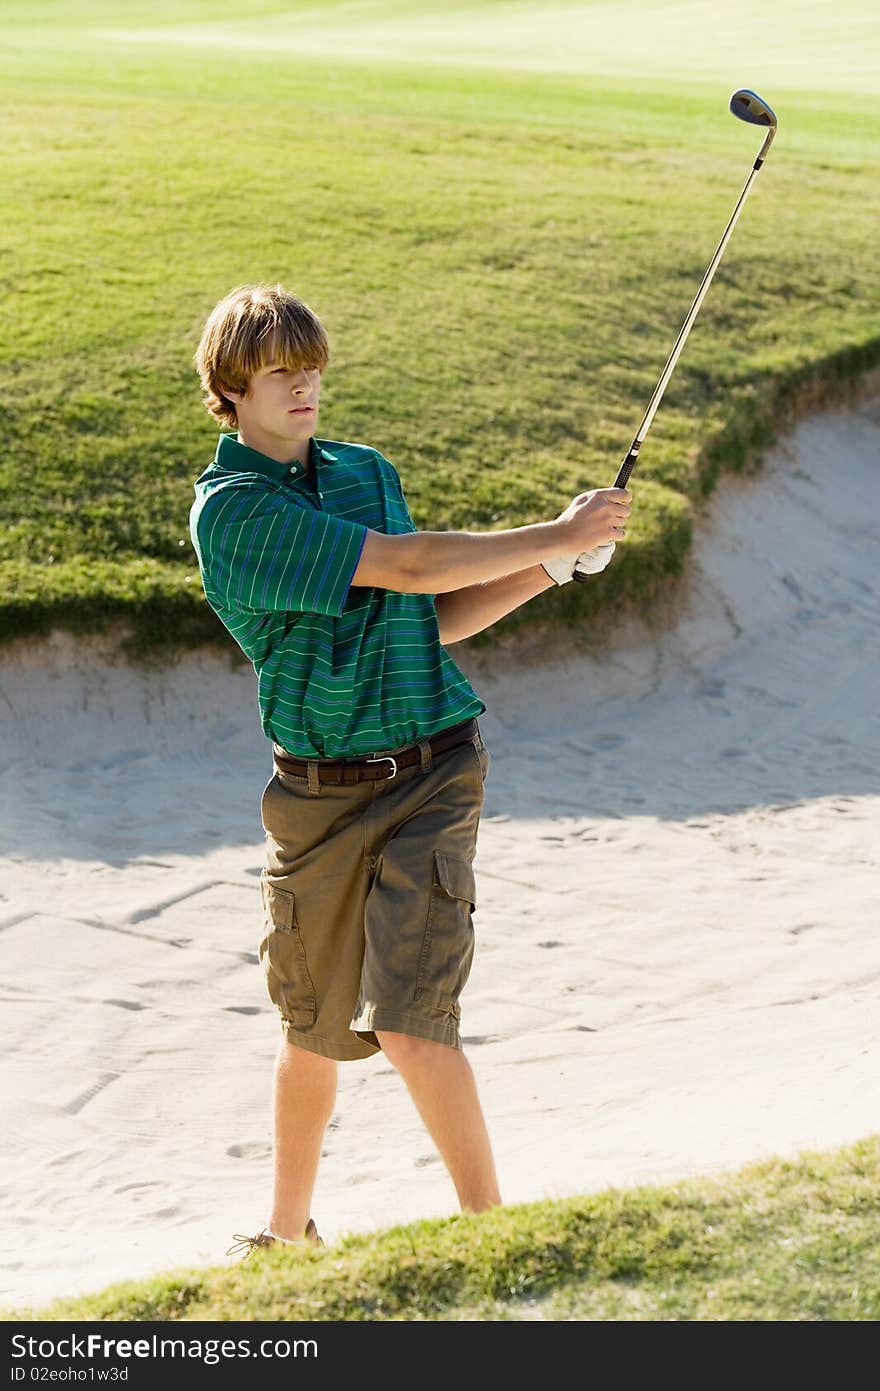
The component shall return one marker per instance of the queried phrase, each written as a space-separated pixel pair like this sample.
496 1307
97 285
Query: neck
282 451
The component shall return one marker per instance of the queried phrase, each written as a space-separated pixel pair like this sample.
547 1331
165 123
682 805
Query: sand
677 922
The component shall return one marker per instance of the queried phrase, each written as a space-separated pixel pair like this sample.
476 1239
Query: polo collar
232 454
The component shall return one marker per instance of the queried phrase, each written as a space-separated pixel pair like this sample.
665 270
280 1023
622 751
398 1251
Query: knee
403 1050
291 1059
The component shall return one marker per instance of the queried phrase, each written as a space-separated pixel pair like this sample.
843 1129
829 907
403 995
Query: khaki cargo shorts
368 895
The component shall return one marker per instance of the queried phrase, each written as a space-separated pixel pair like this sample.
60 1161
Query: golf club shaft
631 459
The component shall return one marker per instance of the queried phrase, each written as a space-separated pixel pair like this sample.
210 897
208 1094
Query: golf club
747 106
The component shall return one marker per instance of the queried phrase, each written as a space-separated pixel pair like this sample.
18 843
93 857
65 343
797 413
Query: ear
236 397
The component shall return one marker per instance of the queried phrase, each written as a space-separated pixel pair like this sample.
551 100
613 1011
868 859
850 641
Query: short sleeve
404 517
399 513
260 551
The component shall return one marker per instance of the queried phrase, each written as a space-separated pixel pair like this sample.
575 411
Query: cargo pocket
283 956
448 946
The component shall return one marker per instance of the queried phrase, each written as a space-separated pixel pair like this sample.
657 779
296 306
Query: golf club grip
620 481
628 465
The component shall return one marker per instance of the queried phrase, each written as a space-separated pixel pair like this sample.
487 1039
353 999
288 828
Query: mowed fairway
502 212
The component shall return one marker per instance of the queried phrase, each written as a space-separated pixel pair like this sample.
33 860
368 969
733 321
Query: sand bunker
677 919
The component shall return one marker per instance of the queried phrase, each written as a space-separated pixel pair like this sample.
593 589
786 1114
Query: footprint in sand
249 1149
72 1108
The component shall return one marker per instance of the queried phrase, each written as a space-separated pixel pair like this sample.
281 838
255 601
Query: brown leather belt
377 767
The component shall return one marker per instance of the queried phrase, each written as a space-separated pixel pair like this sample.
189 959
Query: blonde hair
252 326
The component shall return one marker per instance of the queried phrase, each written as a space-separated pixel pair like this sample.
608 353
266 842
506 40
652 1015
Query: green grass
780 1240
502 257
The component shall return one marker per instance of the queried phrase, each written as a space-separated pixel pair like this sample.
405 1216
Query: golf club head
748 106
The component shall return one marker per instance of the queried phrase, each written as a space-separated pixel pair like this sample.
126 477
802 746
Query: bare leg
305 1090
440 1081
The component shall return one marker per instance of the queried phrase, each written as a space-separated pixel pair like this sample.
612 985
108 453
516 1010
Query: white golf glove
591 561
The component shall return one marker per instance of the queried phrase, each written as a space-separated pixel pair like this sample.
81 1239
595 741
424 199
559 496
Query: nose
302 383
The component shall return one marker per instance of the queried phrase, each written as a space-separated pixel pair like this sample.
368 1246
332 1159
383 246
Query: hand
590 561
594 519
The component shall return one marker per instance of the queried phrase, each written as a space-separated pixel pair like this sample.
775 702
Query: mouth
301 410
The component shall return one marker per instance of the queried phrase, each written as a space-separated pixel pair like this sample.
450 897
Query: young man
309 556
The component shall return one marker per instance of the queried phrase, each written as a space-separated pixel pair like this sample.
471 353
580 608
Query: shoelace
248 1244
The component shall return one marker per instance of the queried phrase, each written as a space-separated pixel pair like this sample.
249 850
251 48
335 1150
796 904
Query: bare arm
464 612
435 562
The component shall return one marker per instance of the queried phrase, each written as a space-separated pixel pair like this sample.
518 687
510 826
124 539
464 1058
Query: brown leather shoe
247 1244
312 1233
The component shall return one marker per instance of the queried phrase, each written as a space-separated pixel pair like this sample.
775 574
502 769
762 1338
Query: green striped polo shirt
342 670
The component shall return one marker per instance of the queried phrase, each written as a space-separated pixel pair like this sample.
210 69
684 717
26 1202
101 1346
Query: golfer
309 556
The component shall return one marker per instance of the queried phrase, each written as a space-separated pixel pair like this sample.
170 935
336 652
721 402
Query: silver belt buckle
386 758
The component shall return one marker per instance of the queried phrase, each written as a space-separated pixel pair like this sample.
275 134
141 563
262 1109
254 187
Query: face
280 410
